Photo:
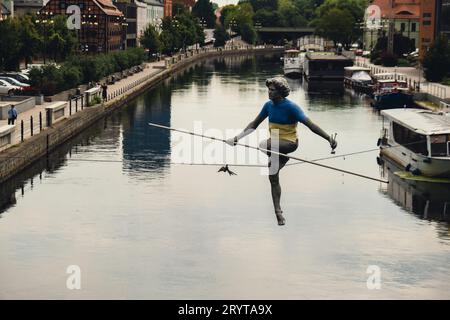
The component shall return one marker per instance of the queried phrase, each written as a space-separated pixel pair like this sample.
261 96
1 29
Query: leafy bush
51 79
220 36
403 63
95 100
388 60
436 62
248 33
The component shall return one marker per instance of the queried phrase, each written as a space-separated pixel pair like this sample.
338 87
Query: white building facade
149 12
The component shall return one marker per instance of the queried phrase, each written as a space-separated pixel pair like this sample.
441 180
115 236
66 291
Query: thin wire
358 152
272 152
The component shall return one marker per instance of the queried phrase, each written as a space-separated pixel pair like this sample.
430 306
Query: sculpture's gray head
280 84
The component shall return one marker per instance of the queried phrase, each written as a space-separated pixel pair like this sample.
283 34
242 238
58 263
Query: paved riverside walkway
410 74
115 92
38 113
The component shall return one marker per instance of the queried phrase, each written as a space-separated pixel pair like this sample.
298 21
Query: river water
116 212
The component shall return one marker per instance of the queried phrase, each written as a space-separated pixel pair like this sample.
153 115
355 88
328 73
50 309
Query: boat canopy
421 121
361 76
356 68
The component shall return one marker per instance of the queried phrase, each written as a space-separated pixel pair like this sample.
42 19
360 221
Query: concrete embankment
19 156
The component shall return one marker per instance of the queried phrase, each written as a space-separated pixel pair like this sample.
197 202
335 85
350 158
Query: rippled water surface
115 202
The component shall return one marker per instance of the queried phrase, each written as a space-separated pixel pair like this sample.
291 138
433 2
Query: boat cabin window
439 145
415 142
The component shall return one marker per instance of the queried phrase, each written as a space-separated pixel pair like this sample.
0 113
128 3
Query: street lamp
258 27
176 25
203 25
44 20
232 26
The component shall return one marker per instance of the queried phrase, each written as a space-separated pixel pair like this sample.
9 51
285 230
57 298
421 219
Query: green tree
9 46
170 36
337 25
402 45
248 33
178 8
261 4
289 14
436 62
28 39
242 16
308 8
226 11
267 17
355 8
220 36
56 39
150 40
203 9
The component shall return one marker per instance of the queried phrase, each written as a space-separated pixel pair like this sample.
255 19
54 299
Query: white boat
359 79
417 140
293 63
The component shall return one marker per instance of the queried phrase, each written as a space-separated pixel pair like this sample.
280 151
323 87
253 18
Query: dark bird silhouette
226 169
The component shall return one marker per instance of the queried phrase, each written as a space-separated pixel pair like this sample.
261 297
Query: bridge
304 31
279 33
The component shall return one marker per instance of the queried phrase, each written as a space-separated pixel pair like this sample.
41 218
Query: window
413 27
409 139
439 145
427 23
427 15
403 27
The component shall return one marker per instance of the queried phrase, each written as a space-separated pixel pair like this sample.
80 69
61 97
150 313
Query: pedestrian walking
12 115
104 91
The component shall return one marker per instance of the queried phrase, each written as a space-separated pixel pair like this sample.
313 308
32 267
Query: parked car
358 52
14 82
7 89
16 75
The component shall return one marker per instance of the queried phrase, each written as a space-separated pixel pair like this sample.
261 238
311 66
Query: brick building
406 17
102 24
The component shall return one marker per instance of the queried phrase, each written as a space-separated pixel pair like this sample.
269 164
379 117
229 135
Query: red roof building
406 17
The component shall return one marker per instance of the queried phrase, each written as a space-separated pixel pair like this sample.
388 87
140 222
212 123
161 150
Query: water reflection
426 200
141 227
323 87
104 134
146 148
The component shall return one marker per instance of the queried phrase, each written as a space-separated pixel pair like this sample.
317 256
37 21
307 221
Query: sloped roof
4 10
108 7
398 10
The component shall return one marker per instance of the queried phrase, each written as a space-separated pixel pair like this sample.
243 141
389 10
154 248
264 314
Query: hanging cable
272 152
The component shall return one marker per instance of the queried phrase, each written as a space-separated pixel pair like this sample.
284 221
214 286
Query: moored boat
359 79
293 64
390 93
417 140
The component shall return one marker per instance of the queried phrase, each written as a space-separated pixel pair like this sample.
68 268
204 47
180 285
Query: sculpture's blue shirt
283 116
